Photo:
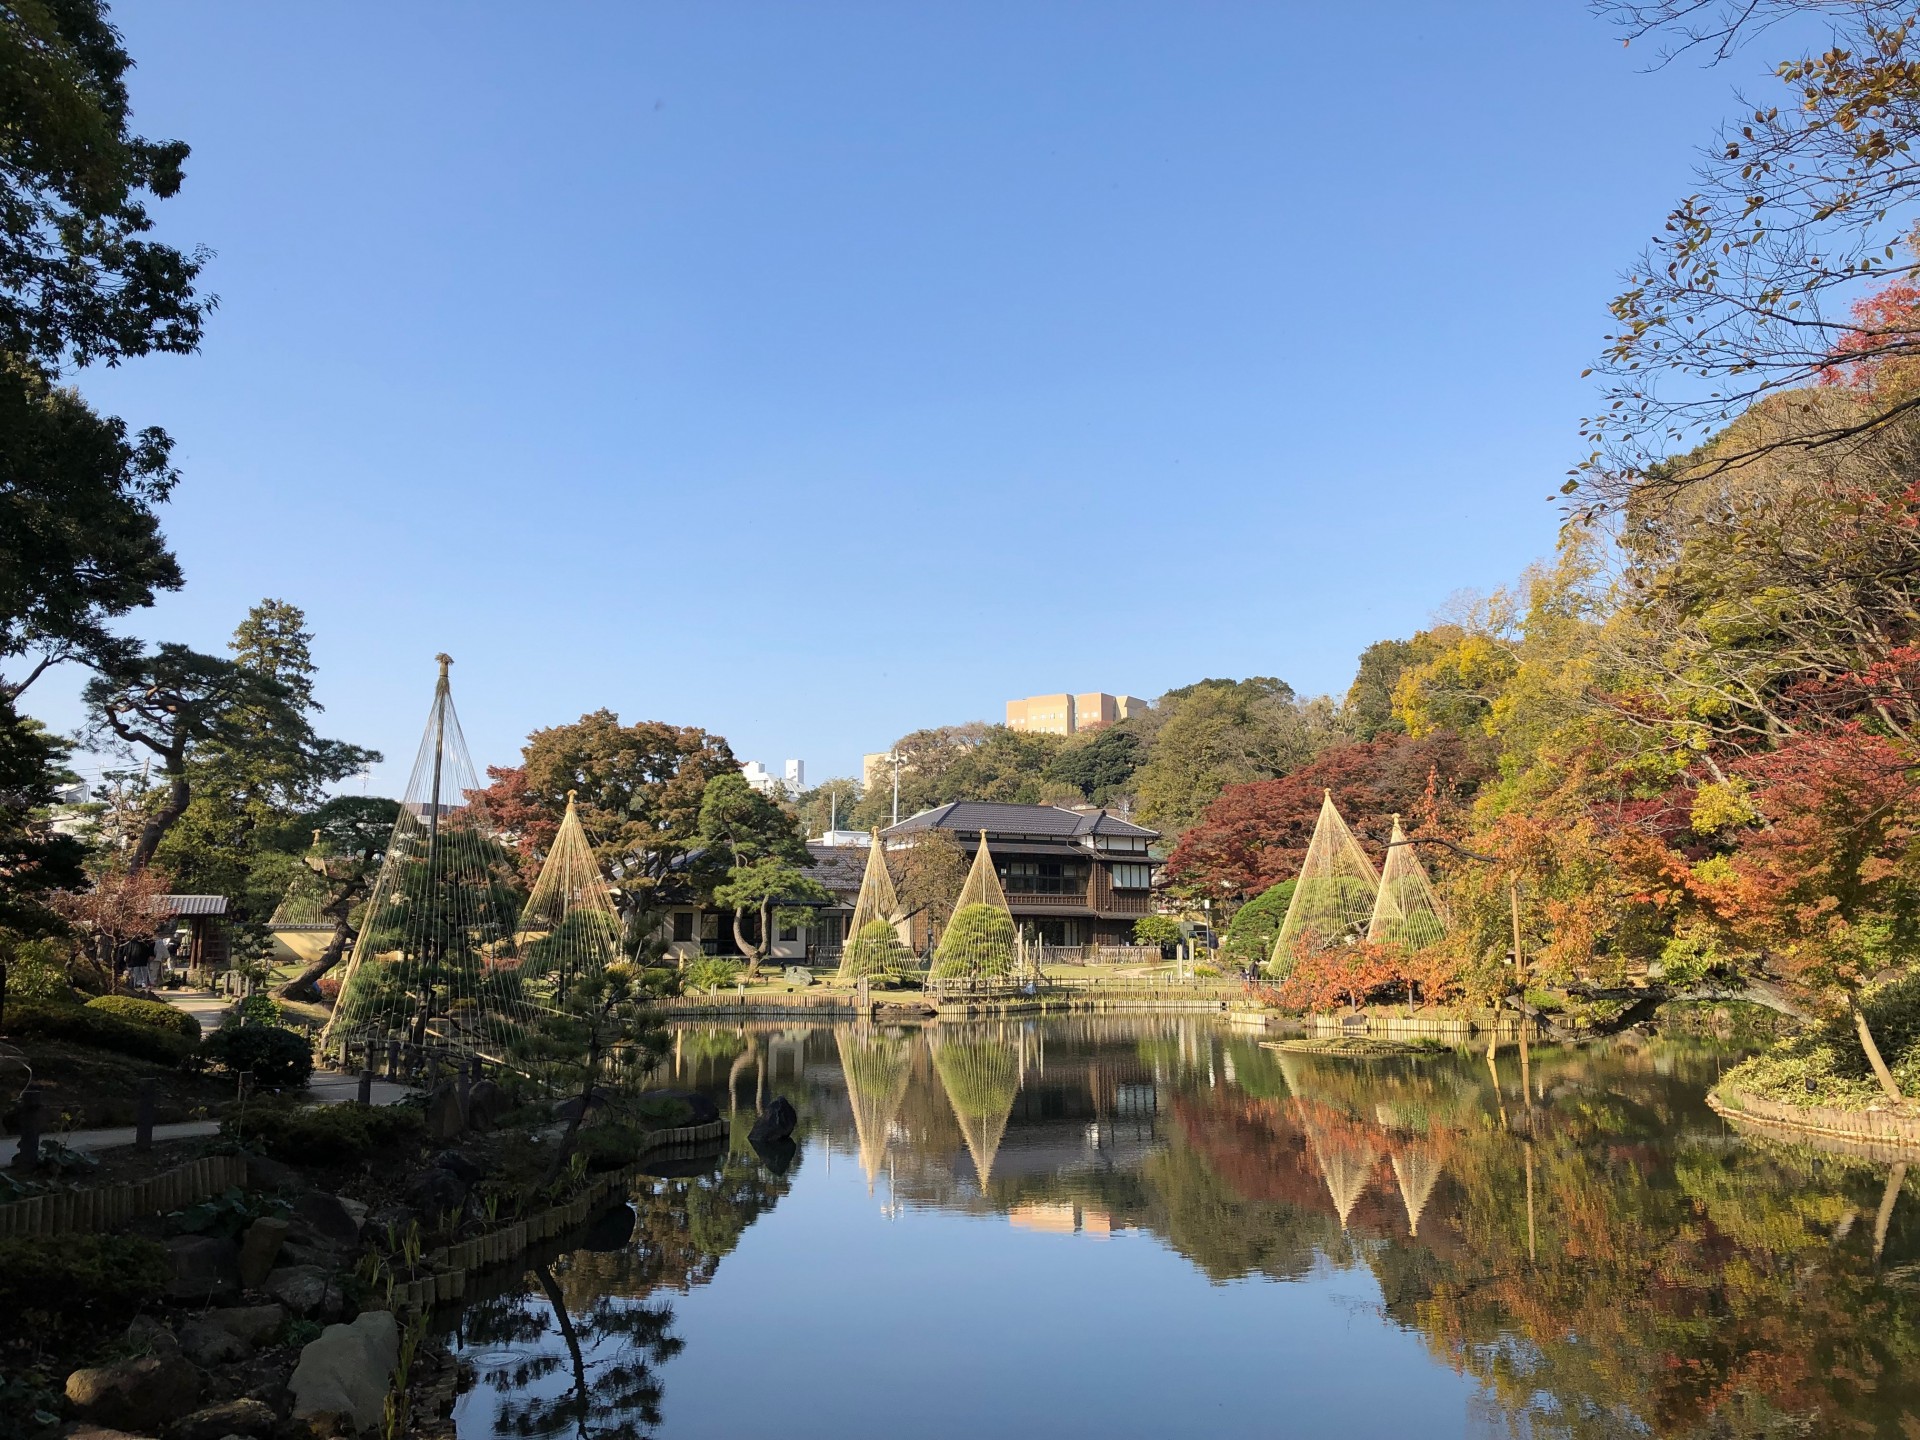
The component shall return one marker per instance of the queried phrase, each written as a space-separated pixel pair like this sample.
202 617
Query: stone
445 1119
271 1175
259 1247
436 1191
799 975
141 1394
208 1344
205 1267
150 1337
486 1103
328 1217
254 1324
776 1122
700 1108
325 1256
596 1099
101 1432
245 1416
356 1211
304 1289
344 1375
467 1168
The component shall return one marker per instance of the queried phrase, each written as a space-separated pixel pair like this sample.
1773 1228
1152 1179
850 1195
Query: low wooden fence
105 1206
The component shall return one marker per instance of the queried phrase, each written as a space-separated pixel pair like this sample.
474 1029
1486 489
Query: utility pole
894 756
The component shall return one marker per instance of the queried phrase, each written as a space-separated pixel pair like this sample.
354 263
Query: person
140 964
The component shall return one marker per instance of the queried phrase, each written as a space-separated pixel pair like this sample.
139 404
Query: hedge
157 1013
86 1025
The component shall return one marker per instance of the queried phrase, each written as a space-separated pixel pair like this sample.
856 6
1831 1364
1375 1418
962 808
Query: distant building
766 782
876 769
1065 714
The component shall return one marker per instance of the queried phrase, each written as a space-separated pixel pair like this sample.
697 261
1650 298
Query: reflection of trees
604 1352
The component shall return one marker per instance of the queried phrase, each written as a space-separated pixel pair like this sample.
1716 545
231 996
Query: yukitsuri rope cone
873 947
570 927
1334 895
980 942
300 907
1416 1169
1406 910
1346 1162
981 1075
878 1067
434 967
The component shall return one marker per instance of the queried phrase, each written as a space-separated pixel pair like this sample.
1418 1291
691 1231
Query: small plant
711 973
300 1333
63 1160
225 1214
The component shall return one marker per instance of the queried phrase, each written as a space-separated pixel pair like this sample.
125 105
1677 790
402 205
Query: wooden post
143 1107
28 1157
366 1086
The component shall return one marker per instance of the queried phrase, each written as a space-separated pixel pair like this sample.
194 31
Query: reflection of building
1072 877
1065 714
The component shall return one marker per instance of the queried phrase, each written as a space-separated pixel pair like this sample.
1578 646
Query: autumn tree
1748 290
638 790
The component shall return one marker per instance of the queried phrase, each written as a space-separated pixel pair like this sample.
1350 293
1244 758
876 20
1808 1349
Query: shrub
37 974
61 1288
1250 936
279 1059
329 987
876 950
154 1013
1824 1065
980 941
325 1134
710 972
257 1010
84 1025
1161 930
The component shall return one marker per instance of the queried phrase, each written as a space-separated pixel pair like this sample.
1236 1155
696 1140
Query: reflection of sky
833 1320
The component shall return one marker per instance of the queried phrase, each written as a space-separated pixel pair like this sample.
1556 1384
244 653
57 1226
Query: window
683 925
789 932
1132 877
1044 877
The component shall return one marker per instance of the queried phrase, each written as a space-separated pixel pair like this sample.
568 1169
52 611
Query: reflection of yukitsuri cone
1345 1166
981 1078
878 1070
1416 1169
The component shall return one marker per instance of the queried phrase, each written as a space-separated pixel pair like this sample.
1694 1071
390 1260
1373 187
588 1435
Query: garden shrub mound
279 1059
156 1013
324 1134
1824 1064
876 951
1250 937
979 943
86 1025
68 1288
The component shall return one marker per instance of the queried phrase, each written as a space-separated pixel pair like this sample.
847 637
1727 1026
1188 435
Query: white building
767 783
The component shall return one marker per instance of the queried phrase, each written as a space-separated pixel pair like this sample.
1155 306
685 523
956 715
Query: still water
1160 1227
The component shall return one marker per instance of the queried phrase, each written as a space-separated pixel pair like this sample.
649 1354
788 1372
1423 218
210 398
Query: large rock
465 1166
776 1122
329 1218
208 1344
437 1191
259 1248
486 1103
595 1099
141 1394
305 1290
445 1118
245 1416
265 1174
254 1324
343 1376
205 1268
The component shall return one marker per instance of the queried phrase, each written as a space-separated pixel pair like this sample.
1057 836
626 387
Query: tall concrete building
1065 714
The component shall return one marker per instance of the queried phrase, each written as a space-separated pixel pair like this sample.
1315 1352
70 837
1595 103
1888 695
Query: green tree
235 727
979 943
350 834
1101 766
766 851
34 859
1219 733
1251 932
829 805
876 950
1161 930
773 889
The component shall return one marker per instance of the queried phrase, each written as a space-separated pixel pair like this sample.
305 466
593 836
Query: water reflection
1571 1234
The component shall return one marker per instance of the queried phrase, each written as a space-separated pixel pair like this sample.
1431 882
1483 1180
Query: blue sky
815 372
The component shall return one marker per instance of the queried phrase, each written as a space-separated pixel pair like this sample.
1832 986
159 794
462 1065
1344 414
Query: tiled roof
1052 821
189 904
838 867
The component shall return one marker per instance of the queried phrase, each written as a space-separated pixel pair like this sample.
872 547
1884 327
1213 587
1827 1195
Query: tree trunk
302 986
1880 1071
740 939
161 821
1896 1179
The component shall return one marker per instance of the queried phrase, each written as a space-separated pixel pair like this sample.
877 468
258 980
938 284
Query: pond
1162 1226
